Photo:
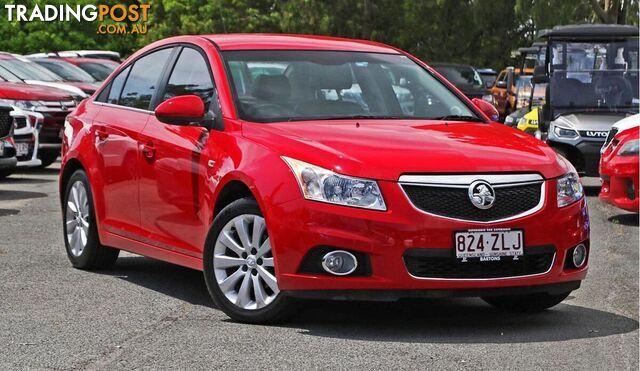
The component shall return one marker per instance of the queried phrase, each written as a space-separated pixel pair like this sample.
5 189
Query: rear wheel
239 265
526 303
80 231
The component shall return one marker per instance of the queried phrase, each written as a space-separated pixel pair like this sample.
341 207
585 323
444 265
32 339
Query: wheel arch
232 190
71 166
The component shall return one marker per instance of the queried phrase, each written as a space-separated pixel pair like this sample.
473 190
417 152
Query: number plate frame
22 149
488 255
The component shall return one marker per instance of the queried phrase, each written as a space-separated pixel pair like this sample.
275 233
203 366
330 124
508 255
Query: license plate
489 244
22 149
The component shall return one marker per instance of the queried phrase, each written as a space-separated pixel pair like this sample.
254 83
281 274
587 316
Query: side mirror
540 75
181 110
501 84
486 108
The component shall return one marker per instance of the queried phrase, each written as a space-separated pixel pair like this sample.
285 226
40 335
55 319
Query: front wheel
526 303
239 265
80 230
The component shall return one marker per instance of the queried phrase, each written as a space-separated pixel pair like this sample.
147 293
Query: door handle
101 134
148 150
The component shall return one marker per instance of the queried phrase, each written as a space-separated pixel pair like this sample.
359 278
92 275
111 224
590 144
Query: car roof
248 41
486 71
446 64
529 50
591 30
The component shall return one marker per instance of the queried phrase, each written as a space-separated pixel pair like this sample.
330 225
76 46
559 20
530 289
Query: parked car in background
70 74
44 110
488 76
464 77
280 186
619 165
18 69
503 91
99 54
593 80
525 93
98 68
8 161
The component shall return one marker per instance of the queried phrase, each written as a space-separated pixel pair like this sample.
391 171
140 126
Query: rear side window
116 86
143 80
190 76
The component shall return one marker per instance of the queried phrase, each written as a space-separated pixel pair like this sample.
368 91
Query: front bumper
8 163
385 238
620 181
584 155
394 295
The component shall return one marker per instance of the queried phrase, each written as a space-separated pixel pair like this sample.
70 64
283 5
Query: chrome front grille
516 195
6 122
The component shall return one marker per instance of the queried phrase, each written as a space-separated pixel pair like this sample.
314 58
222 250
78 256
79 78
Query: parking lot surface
149 314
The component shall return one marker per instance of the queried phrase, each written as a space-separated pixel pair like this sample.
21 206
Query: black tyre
6 172
526 303
48 158
79 225
239 266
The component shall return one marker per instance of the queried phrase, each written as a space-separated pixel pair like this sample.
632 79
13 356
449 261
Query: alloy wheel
77 218
243 263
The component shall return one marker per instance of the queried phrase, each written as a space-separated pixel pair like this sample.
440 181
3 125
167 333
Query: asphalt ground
149 314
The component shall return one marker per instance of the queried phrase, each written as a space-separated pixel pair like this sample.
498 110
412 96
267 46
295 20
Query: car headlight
27 105
561 132
324 185
630 148
569 189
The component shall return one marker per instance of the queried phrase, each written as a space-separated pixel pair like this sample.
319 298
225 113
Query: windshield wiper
458 118
346 117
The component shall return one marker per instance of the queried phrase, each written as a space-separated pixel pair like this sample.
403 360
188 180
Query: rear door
123 115
175 167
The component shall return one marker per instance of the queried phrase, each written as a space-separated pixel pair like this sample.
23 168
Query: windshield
461 76
488 78
531 60
29 70
523 91
594 75
306 85
67 71
98 71
8 76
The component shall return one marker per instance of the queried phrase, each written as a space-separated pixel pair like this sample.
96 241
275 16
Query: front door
175 165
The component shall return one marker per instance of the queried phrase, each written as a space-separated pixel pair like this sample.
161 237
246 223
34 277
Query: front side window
292 85
143 80
190 75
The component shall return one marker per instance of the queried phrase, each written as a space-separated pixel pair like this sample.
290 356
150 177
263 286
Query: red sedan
292 167
619 170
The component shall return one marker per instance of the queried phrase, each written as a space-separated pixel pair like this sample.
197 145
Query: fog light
339 262
579 255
